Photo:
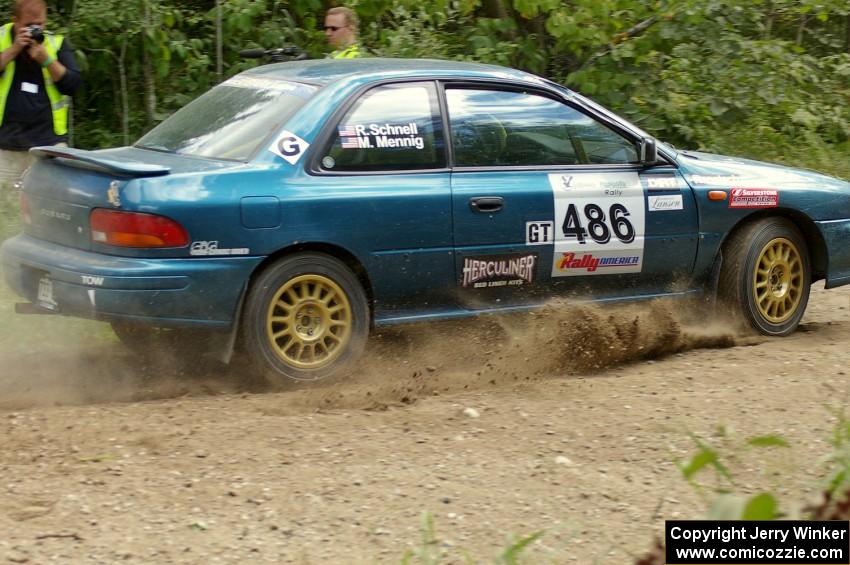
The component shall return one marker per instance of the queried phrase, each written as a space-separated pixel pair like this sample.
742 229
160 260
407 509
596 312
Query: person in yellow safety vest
38 73
341 27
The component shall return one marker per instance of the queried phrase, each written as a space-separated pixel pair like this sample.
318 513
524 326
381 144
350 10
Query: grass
34 334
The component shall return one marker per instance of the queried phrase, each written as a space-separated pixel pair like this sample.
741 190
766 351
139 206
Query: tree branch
621 37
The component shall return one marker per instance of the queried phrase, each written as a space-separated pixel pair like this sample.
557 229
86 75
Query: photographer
37 75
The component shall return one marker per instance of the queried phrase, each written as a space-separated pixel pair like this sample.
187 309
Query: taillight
134 229
25 209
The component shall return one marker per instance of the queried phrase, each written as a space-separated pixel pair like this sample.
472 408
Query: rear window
231 121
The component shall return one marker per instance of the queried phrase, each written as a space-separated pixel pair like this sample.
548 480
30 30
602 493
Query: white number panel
599 223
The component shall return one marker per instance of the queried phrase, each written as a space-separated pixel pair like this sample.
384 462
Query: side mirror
648 151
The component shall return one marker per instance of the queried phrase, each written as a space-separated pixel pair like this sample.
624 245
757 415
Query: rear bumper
164 292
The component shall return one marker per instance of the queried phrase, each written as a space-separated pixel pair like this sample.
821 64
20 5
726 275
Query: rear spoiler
90 159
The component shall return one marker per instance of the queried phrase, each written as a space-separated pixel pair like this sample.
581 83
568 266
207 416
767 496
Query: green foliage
432 551
838 461
722 498
767 79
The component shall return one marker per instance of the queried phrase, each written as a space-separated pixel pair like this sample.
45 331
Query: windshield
231 121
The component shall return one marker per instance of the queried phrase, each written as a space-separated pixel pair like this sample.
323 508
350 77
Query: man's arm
63 70
22 40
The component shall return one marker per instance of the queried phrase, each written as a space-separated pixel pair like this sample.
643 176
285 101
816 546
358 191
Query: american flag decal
350 143
347 131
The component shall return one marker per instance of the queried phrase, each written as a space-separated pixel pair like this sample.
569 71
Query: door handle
486 204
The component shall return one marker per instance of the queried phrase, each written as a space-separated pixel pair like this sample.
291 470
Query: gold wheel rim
309 322
778 280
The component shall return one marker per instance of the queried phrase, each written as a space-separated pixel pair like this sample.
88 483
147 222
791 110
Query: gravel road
568 421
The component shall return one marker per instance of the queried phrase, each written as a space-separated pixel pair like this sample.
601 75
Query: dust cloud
401 365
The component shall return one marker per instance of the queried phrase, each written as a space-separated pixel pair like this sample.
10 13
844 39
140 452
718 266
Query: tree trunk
494 9
148 72
768 24
848 32
70 99
800 29
125 103
218 41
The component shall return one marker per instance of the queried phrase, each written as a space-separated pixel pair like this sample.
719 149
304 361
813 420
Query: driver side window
507 128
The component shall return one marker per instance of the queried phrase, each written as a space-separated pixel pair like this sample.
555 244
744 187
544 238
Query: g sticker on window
289 146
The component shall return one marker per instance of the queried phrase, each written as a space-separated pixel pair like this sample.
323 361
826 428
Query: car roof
371 69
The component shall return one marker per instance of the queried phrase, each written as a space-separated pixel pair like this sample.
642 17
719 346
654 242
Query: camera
36 32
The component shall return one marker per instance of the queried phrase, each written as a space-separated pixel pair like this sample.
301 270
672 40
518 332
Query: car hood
710 170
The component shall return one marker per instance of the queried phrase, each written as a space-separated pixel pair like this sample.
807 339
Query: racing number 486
597 224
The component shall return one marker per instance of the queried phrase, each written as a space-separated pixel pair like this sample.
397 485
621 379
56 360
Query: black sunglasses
332 28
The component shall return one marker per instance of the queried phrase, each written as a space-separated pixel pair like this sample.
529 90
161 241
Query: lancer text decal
666 202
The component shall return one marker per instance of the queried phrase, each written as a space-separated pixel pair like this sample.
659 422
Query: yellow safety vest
58 101
350 52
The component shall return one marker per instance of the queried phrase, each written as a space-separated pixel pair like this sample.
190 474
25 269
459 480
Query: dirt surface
567 421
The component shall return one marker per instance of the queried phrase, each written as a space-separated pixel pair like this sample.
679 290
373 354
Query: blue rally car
297 205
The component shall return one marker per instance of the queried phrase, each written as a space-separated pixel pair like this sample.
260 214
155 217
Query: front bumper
163 292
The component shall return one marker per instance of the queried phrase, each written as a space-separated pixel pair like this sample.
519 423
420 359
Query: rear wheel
306 318
766 275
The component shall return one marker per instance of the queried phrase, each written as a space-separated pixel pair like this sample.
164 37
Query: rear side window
231 121
506 128
393 127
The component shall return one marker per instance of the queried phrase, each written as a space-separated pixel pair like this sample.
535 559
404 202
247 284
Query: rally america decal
599 223
492 271
754 198
381 136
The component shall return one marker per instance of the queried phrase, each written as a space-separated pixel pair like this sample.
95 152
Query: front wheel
766 275
306 318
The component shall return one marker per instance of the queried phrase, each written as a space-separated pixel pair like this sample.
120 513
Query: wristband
47 62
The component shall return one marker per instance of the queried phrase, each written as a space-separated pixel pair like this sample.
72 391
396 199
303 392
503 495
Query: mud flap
712 282
228 340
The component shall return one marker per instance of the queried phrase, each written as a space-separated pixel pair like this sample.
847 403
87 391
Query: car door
548 199
380 188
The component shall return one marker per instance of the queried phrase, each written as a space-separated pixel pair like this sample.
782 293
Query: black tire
306 317
765 276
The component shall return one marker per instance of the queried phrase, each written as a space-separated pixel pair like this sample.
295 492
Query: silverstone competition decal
212 248
289 146
665 202
754 198
491 271
599 223
380 136
539 233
